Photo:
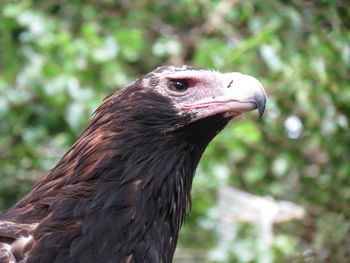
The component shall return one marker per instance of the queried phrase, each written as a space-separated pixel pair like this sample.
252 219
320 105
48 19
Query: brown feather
120 194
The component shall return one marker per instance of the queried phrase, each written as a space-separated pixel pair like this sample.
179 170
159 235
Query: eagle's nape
120 193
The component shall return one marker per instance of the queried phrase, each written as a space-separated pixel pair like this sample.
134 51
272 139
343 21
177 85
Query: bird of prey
120 194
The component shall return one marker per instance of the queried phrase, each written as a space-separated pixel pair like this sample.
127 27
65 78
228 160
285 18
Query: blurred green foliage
58 60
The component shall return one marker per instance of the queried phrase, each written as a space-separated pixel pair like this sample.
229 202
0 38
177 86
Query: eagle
121 192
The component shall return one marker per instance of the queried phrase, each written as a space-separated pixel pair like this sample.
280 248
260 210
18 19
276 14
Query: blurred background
59 59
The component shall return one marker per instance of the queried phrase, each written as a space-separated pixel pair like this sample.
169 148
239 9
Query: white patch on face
169 70
146 82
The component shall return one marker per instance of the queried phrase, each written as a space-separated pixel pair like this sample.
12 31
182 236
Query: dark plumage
120 193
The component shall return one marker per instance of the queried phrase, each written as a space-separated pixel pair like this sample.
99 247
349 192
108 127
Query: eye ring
178 85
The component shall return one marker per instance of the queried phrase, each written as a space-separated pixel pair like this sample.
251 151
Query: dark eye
178 85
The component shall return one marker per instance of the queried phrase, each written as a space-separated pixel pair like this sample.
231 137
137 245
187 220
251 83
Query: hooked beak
245 93
239 93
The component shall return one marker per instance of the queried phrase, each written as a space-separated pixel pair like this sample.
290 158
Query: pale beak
244 93
237 93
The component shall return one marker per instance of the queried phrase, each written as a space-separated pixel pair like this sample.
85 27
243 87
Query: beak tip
261 104
259 96
261 111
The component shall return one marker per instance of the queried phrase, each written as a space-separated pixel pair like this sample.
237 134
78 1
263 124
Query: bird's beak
244 93
237 93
